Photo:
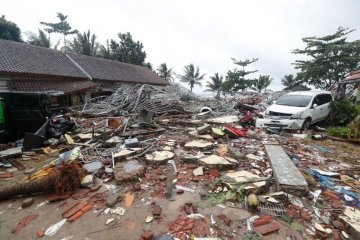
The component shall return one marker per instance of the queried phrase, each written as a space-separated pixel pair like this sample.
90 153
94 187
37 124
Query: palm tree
62 27
105 51
40 40
288 80
84 44
215 85
165 73
191 76
263 82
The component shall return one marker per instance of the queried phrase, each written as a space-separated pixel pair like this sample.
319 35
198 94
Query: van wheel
306 124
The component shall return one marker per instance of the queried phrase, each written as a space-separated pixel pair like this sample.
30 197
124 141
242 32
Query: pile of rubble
164 174
133 99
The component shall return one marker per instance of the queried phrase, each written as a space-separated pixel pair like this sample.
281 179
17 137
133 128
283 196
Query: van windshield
294 100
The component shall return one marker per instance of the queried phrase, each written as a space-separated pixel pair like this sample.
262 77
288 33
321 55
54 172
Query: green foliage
235 191
289 80
262 83
40 40
355 124
164 72
236 80
328 58
84 44
192 76
105 50
215 84
148 65
62 27
342 112
9 30
127 50
340 132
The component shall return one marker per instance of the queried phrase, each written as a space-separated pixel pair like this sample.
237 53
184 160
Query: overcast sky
204 32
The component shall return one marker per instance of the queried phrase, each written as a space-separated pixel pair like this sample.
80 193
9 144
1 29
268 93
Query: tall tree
328 58
84 44
237 79
105 50
289 80
127 50
9 30
148 65
192 76
62 27
164 72
215 84
40 39
262 83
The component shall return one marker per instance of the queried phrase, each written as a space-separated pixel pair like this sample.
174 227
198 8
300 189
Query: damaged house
38 82
28 68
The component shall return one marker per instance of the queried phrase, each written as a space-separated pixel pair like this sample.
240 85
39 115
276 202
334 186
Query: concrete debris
224 120
287 176
159 156
198 171
93 166
118 211
199 144
172 165
87 181
217 160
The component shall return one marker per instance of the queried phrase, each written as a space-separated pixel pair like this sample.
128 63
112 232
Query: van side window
324 98
328 98
317 100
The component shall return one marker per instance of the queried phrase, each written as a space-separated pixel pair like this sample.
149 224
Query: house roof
25 59
67 86
21 59
109 70
353 75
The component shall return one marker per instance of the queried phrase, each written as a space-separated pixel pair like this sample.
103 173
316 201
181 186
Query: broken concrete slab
123 154
203 129
224 119
114 139
159 156
93 166
198 171
241 176
87 181
87 136
200 144
286 174
217 160
254 157
128 171
351 216
11 152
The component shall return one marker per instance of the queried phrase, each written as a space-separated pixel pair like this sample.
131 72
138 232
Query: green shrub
355 124
342 112
340 132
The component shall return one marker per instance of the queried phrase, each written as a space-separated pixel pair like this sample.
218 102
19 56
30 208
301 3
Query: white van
297 110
